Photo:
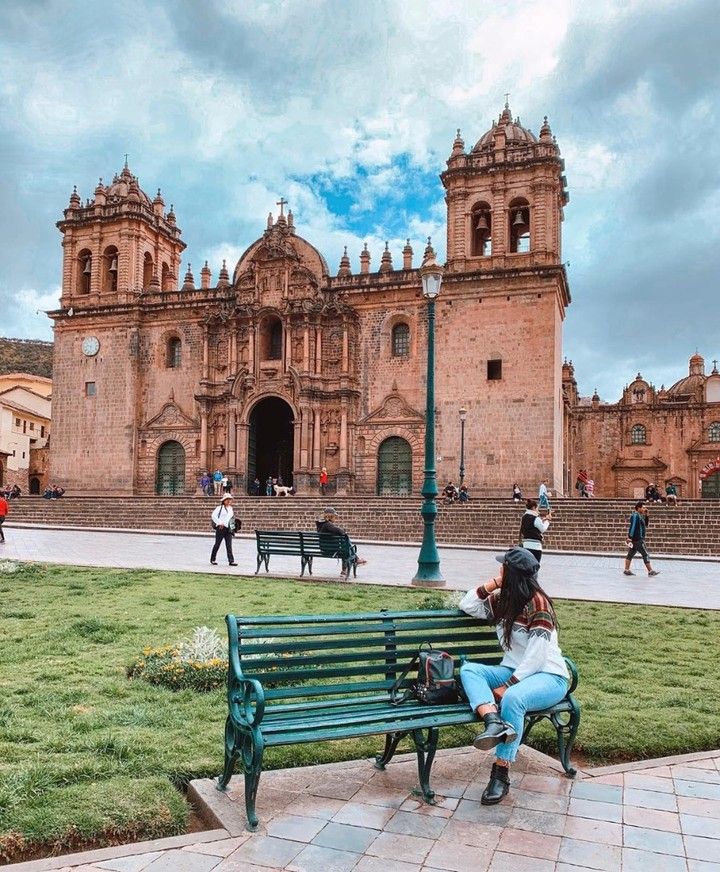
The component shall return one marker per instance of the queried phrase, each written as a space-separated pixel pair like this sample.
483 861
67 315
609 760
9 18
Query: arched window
519 217
147 270
481 230
401 340
638 435
85 271
110 270
174 353
166 286
714 432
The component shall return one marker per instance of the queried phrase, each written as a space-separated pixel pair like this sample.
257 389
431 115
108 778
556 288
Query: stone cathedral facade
280 367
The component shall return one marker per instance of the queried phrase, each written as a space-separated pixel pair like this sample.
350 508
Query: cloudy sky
348 108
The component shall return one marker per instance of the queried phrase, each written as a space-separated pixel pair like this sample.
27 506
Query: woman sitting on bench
532 675
328 525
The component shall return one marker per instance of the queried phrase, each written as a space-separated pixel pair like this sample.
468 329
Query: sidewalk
651 816
685 583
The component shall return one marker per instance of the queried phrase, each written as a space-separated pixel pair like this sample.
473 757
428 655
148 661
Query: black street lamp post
428 572
463 416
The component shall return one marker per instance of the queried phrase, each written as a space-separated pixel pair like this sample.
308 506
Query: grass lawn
87 754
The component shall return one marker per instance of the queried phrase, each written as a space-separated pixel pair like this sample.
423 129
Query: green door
394 468
711 487
170 469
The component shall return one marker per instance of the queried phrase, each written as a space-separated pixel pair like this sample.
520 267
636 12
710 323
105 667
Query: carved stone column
343 437
316 441
304 436
206 354
345 350
203 437
318 350
306 348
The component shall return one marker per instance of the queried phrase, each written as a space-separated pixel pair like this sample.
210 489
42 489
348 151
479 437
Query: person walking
217 482
223 521
323 480
533 528
4 509
639 522
532 674
544 495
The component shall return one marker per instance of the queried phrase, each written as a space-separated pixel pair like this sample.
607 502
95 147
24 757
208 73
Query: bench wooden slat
352 618
324 634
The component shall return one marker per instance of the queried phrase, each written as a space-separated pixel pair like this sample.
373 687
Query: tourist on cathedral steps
223 522
463 494
533 528
639 522
323 480
544 495
217 482
450 493
205 484
532 674
255 488
670 494
328 525
4 509
516 493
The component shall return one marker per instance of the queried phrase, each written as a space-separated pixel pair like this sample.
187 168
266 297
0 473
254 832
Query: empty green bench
312 678
307 546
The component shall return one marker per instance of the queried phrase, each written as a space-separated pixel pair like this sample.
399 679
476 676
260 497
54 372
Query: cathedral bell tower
117 244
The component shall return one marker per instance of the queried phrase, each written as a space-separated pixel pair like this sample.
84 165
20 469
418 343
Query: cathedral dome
124 185
688 386
515 133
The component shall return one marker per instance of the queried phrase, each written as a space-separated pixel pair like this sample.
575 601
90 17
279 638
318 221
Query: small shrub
439 599
198 663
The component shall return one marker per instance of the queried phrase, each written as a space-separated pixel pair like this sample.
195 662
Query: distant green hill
26 355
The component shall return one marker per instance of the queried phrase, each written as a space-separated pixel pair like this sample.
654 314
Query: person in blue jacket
639 522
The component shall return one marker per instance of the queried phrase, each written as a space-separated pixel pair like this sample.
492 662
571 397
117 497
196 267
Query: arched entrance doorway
711 487
271 441
394 468
34 485
170 469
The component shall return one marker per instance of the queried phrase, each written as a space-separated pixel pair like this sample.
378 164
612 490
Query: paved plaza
682 582
652 816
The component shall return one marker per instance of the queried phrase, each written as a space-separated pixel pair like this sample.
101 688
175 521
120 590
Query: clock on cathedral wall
90 346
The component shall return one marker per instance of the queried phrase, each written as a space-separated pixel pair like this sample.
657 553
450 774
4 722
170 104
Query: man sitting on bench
328 525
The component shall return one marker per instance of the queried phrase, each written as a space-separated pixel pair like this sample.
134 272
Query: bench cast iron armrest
246 699
572 669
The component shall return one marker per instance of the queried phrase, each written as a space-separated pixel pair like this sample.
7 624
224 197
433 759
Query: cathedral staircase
692 528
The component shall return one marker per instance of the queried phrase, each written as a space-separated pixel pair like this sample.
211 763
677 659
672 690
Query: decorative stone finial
429 250
75 198
386 263
344 264
545 131
171 215
365 260
205 275
291 221
407 255
189 283
223 277
269 221
458 146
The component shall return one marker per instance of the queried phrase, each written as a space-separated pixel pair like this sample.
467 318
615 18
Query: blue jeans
533 693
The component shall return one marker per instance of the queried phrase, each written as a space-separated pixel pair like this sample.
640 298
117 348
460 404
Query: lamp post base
428 575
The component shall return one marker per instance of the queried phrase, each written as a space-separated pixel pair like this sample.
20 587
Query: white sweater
221 516
533 641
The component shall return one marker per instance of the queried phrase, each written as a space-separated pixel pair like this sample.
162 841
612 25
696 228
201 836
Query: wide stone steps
692 528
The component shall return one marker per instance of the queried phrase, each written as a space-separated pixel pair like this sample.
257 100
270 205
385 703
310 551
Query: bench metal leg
259 563
232 752
303 563
251 756
310 560
426 748
566 733
392 740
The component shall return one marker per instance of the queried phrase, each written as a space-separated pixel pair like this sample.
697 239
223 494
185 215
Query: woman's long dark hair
518 588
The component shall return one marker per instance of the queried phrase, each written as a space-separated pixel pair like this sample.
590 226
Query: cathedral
281 367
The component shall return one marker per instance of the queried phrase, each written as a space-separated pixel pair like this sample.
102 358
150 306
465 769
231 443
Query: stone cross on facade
281 202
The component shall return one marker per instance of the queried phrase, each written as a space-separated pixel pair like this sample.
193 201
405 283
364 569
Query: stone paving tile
601 811
597 792
344 837
447 788
659 771
537 821
268 851
700 848
361 814
376 864
456 858
646 861
700 826
387 797
688 773
443 808
618 779
231 865
650 799
483 836
653 840
589 830
710 762
314 858
529 844
546 784
700 807
593 855
393 846
668 821
570 867
183 861
700 789
221 848
702 866
540 801
502 862
323 807
335 788
294 827
135 863
410 824
469 810
641 781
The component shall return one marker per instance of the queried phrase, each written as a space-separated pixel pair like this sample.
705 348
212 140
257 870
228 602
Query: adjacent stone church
281 368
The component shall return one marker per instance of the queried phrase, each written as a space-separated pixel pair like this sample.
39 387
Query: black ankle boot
496 731
498 785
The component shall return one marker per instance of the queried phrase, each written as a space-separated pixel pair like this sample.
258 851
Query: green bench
307 546
312 678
